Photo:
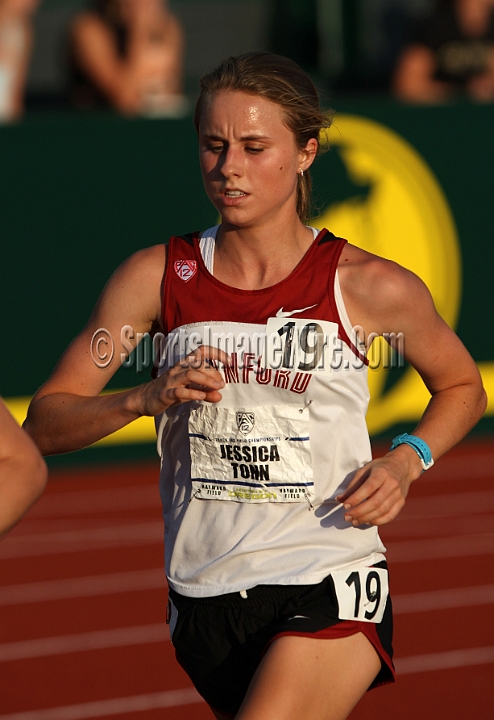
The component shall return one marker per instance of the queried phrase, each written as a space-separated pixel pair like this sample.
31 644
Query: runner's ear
308 154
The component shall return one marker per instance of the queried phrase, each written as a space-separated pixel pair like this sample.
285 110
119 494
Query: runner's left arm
401 303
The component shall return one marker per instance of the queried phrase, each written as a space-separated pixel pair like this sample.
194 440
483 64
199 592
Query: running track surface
83 598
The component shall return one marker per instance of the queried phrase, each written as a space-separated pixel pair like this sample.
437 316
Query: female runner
278 585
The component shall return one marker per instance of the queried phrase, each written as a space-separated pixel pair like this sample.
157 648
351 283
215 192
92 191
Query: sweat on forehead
247 106
284 83
274 78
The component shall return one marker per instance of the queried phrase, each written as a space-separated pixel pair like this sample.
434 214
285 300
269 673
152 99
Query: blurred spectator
22 471
15 49
361 40
128 54
452 53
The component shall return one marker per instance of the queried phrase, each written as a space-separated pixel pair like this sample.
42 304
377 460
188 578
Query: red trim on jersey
332 301
202 298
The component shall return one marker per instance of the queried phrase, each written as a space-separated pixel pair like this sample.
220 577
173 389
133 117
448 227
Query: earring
301 172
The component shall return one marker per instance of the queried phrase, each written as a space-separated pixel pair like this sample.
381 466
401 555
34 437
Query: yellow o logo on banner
406 218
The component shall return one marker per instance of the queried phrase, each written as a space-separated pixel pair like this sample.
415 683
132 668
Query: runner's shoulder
388 284
145 267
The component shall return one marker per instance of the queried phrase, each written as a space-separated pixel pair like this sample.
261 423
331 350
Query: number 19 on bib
361 593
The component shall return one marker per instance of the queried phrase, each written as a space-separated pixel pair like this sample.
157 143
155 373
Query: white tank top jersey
248 484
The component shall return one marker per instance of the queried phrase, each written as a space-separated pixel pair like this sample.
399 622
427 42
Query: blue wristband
419 445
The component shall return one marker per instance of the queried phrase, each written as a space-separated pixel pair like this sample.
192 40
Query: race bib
301 345
361 593
251 455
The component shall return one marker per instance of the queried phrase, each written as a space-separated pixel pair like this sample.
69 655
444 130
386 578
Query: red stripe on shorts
345 628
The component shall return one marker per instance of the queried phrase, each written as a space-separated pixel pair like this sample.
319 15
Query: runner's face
249 159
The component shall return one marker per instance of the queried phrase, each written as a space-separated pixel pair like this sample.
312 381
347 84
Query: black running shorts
220 641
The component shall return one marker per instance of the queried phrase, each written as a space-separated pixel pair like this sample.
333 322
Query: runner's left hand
377 491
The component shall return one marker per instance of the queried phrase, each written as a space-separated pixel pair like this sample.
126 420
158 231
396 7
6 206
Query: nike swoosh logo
281 314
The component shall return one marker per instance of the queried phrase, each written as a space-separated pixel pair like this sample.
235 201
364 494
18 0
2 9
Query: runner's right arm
68 412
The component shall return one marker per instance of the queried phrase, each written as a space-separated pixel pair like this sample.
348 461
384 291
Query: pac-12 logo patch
185 269
245 421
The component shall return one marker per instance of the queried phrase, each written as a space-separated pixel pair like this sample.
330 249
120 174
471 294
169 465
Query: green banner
79 194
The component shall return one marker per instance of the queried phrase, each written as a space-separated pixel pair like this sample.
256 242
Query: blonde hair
283 82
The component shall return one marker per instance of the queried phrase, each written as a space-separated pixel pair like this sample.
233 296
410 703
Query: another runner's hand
191 379
378 490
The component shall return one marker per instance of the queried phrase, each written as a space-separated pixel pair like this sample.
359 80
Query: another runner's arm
397 301
23 472
68 412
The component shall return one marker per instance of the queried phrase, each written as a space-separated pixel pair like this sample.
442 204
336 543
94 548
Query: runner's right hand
190 379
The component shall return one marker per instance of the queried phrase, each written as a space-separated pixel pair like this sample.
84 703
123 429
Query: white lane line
448 505
32 544
410 527
444 660
143 634
138 580
97 640
443 599
82 587
96 501
436 548
116 706
407 527
82 540
469 467
50 526
188 696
